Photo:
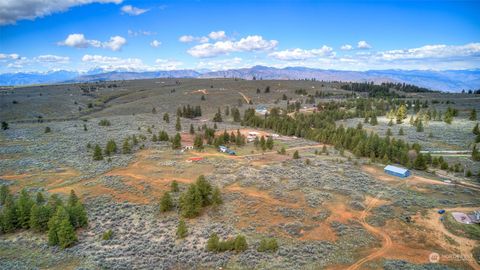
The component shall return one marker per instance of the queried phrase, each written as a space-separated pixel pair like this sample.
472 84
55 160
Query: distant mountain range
449 80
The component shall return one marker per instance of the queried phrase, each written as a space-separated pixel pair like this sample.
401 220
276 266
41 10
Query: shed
397 171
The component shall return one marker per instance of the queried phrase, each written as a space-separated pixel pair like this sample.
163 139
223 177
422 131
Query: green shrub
107 235
268 245
104 123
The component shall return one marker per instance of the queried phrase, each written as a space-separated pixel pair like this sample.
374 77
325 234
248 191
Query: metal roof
396 169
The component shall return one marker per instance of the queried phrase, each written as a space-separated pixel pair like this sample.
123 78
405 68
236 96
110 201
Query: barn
397 171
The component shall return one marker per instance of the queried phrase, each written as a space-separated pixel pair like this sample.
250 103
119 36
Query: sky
81 35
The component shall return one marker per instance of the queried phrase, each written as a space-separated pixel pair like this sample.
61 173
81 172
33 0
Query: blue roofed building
397 171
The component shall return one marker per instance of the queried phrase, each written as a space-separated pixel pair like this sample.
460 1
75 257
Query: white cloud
155 43
346 47
189 38
133 11
217 35
79 41
362 44
300 54
12 11
250 43
12 56
164 64
52 59
432 51
109 63
115 43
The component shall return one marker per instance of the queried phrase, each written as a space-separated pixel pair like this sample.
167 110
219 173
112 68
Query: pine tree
269 143
166 118
182 230
205 190
401 113
263 143
78 215
73 198
166 203
54 224
178 125
24 205
198 142
191 202
174 186
420 126
9 215
39 199
400 132
66 234
192 129
373 120
296 155
218 116
476 130
177 141
420 163
39 216
97 153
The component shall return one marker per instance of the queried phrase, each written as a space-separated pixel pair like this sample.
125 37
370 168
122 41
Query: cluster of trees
449 115
111 148
238 244
53 216
374 90
198 195
189 111
321 127
162 137
238 139
264 144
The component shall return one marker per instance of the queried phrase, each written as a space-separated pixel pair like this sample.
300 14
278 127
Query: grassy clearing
471 231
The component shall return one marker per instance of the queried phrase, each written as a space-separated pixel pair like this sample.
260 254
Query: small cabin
397 171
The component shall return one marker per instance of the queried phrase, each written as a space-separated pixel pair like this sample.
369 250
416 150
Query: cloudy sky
43 35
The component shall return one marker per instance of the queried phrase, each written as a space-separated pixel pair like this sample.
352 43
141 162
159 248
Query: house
397 171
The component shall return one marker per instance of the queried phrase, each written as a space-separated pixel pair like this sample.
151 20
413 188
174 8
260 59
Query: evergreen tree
78 215
97 153
39 216
263 143
198 142
389 132
203 98
296 155
166 118
54 225
163 136
205 190
54 202
178 125
420 163
72 199
191 202
269 143
283 151
24 205
192 129
66 234
267 89
126 149
39 199
4 125
166 203
177 141
218 116
390 123
174 186
401 113
9 215
182 230
400 132
476 130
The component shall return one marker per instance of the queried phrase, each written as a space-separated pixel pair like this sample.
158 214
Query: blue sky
42 35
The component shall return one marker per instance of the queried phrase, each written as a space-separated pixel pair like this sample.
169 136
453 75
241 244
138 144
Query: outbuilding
397 171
